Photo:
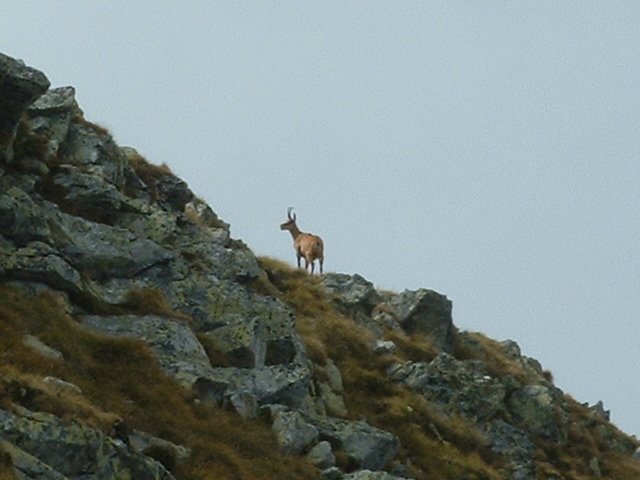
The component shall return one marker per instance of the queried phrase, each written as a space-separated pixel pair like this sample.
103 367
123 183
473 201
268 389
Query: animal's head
291 222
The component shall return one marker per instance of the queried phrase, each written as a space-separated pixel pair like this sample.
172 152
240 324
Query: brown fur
307 246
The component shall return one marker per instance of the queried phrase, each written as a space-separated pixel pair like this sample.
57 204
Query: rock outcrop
132 253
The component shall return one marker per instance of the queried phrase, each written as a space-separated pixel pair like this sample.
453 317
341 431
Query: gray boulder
248 390
356 297
366 446
39 262
369 475
293 433
540 410
322 456
19 87
21 220
461 386
261 332
352 292
178 350
425 311
50 117
515 446
75 450
103 251
85 194
28 467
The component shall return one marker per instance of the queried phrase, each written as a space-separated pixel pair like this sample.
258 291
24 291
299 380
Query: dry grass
492 355
98 129
435 446
149 173
7 472
122 377
151 301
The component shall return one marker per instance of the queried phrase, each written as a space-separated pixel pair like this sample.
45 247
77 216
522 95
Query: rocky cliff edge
140 340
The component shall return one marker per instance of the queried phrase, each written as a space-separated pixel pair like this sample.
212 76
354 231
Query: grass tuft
122 377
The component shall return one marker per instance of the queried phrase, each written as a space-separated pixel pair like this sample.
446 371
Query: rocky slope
139 340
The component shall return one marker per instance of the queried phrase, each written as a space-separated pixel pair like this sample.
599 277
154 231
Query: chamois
307 246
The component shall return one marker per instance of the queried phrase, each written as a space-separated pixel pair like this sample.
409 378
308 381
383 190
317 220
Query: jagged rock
515 446
285 385
369 475
539 410
50 117
85 194
174 192
75 450
263 335
92 148
461 386
366 446
598 412
28 467
334 376
178 350
329 398
333 402
384 347
425 311
103 251
21 219
322 456
353 292
38 262
331 473
143 442
19 87
356 297
61 99
293 433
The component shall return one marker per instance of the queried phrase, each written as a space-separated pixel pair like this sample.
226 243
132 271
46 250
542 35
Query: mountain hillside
139 340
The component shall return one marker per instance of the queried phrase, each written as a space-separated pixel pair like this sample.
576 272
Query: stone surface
21 219
178 350
515 446
369 475
538 409
20 85
460 386
427 312
368 447
322 456
74 450
46 351
293 433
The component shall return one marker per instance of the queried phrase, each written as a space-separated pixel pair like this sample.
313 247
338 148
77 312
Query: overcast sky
487 150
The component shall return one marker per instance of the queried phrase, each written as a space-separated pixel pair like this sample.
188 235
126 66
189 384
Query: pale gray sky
486 150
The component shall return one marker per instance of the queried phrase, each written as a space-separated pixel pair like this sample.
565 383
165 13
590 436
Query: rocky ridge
131 253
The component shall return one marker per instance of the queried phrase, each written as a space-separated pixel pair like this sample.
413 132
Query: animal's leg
321 260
